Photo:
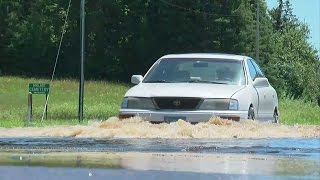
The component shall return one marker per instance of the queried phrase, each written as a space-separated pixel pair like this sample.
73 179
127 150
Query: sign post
36 88
29 111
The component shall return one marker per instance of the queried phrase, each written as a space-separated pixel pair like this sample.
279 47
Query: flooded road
205 158
135 149
281 147
137 128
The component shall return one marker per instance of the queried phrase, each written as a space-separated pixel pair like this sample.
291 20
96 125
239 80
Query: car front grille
176 103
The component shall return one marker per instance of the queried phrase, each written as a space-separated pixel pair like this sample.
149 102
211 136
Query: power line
57 56
195 11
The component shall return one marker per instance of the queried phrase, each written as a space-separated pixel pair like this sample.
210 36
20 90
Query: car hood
183 90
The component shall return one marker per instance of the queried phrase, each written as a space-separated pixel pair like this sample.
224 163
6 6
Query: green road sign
39 88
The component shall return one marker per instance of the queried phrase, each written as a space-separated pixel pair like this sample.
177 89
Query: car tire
275 117
251 114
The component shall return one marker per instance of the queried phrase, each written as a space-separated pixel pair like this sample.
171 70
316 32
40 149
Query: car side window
252 70
258 69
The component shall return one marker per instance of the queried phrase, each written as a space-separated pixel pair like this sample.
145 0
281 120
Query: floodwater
137 128
80 158
134 149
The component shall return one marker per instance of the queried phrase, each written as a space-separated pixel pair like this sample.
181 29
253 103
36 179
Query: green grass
102 100
298 112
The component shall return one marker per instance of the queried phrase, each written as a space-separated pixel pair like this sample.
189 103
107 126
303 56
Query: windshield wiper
204 81
157 81
191 81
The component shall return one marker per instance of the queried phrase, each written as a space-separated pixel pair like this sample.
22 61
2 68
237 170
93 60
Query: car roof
207 55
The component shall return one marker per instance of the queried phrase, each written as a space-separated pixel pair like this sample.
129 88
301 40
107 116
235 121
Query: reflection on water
90 160
277 156
137 128
297 167
248 164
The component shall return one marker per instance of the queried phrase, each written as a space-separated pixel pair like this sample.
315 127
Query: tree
125 37
294 62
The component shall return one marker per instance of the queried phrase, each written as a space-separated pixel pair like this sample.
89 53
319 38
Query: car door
253 75
265 94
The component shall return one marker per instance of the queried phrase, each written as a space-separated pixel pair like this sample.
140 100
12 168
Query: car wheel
251 113
275 117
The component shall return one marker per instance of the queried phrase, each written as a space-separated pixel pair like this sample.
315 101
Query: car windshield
192 70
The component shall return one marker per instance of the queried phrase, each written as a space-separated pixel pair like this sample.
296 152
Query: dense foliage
124 37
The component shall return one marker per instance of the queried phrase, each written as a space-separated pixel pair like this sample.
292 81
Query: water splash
137 128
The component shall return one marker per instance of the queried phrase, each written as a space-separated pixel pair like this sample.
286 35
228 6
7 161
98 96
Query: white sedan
197 87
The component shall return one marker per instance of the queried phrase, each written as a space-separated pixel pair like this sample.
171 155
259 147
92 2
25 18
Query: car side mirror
261 82
136 79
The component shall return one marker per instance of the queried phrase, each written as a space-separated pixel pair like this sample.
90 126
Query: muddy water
300 147
219 158
137 128
134 149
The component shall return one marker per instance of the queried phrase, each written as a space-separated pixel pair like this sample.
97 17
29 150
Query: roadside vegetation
126 37
102 100
295 111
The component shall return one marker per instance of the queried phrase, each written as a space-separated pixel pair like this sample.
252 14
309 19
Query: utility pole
82 47
258 31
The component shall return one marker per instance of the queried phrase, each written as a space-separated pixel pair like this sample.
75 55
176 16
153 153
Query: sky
307 11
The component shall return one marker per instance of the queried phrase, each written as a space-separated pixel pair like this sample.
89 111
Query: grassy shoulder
102 100
298 112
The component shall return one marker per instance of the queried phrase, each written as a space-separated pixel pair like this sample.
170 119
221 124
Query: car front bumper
190 116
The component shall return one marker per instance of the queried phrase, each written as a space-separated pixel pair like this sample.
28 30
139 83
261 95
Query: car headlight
137 103
219 104
233 105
